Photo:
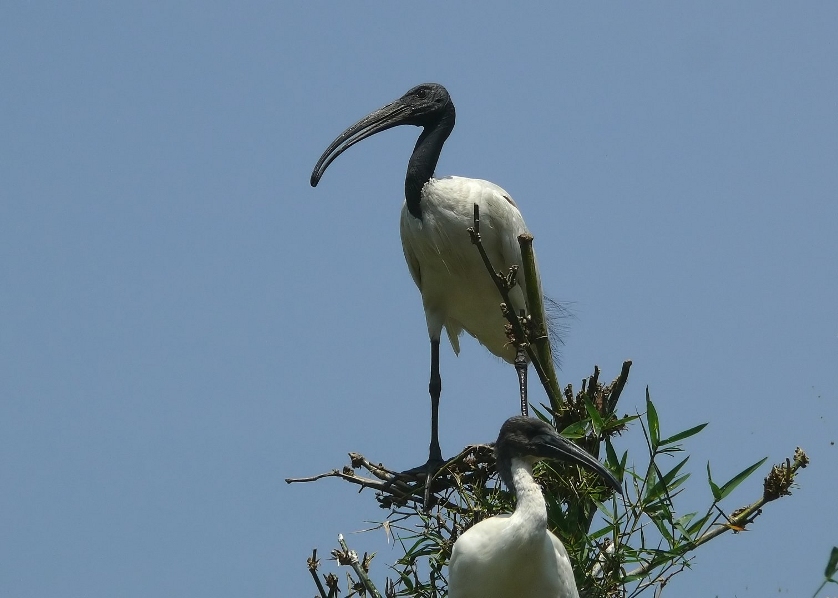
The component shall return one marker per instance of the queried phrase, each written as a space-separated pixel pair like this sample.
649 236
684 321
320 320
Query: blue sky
184 322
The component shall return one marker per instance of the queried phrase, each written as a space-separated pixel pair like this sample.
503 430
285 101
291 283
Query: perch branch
399 488
777 484
538 330
313 563
503 285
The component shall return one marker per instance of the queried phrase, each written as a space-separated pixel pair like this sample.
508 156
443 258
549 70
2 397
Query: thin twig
738 521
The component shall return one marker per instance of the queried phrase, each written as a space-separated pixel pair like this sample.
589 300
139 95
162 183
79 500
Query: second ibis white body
515 555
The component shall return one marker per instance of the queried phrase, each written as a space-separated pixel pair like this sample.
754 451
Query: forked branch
504 284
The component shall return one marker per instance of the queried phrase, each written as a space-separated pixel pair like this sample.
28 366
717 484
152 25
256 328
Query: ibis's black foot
426 473
430 466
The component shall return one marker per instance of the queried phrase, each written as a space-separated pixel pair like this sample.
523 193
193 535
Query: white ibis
516 556
457 292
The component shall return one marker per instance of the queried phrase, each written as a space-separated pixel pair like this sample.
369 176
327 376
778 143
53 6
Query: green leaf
652 420
832 565
656 557
659 510
596 418
576 430
717 494
660 523
728 487
664 483
696 527
612 459
608 529
676 483
683 522
651 477
541 415
617 423
685 434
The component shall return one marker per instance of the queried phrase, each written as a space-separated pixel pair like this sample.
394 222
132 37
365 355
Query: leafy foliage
619 547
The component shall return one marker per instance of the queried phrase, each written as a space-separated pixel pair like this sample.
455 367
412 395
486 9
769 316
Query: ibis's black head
427 105
530 437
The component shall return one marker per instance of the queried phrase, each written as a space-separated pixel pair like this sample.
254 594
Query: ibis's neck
422 163
530 510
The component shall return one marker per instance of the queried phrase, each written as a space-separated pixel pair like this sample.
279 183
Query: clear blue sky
184 322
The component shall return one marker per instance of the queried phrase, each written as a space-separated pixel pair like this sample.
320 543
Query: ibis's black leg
434 452
435 460
521 368
435 389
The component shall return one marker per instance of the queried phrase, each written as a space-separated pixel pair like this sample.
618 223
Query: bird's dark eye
421 94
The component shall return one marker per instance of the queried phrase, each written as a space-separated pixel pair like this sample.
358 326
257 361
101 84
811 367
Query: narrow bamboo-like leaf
541 415
576 430
670 450
406 580
651 477
728 487
683 522
676 483
656 558
832 565
652 420
611 458
596 418
717 494
695 528
616 423
682 435
658 510
663 484
608 529
663 528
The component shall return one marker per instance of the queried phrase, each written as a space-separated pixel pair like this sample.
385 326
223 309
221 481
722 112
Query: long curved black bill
382 119
557 447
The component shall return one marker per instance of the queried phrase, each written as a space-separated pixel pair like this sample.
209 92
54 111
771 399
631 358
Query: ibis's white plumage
457 291
516 556
513 556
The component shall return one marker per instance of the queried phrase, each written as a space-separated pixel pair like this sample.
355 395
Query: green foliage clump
619 546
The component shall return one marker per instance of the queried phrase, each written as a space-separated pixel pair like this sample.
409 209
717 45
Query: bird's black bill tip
614 483
609 478
561 448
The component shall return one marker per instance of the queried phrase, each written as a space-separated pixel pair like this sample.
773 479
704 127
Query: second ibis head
531 439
